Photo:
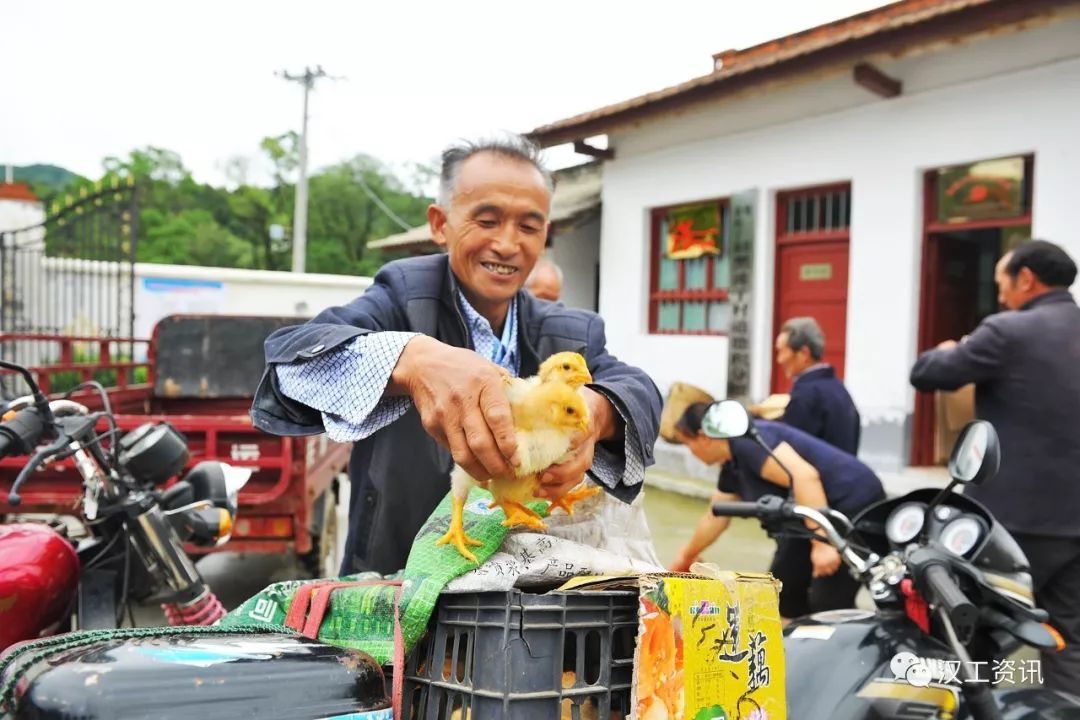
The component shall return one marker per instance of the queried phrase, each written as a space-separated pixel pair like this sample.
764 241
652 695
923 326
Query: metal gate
71 275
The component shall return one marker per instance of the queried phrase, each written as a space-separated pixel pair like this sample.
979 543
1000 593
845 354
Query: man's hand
560 479
825 559
462 403
683 561
946 345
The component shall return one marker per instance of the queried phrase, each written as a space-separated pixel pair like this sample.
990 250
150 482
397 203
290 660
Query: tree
151 163
284 152
343 217
182 221
252 211
191 237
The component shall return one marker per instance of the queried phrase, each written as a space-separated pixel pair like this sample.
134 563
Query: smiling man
412 370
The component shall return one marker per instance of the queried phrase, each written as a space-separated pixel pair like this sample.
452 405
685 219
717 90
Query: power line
380 204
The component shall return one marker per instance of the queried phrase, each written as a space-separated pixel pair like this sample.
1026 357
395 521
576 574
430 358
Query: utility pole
307 79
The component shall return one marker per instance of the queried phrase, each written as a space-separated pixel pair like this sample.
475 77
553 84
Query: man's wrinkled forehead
492 178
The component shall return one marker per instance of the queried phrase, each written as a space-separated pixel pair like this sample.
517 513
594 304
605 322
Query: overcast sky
83 80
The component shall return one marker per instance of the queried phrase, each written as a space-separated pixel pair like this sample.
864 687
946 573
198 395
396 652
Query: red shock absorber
203 610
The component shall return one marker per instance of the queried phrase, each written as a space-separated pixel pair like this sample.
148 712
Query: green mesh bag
362 618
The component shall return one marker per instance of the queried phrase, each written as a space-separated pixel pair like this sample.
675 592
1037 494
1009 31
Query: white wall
577 252
882 147
238 292
162 290
20 214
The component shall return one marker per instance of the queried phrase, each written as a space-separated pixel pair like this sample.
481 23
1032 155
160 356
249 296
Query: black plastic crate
524 656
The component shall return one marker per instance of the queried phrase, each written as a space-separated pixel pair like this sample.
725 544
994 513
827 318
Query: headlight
905 523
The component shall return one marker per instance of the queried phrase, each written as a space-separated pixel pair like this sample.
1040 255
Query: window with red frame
688 286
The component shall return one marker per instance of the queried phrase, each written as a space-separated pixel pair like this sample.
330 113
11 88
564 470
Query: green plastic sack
362 618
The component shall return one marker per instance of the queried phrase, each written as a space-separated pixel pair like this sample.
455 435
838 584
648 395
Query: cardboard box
708 648
953 411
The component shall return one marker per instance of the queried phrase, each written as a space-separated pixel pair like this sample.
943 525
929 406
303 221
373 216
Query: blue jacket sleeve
636 399
376 310
978 358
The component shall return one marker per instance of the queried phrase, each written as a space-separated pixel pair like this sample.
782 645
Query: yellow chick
547 417
567 367
572 369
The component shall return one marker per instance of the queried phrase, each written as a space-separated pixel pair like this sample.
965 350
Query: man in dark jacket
1026 366
412 370
810 573
820 404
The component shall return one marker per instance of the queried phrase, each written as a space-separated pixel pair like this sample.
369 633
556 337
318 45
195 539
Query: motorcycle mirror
235 478
976 455
726 419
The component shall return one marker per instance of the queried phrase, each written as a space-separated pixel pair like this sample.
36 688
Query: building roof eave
893 29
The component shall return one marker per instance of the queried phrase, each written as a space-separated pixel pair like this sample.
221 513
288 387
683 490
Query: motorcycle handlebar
946 593
21 434
772 508
736 509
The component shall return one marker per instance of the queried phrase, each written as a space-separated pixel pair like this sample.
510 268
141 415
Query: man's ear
436 217
1025 279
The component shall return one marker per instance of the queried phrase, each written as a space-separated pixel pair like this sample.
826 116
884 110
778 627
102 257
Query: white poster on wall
159 297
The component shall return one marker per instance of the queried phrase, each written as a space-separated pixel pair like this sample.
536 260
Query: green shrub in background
64 380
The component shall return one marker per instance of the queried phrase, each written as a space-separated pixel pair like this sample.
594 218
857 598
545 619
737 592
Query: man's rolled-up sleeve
346 385
623 466
620 467
976 359
327 335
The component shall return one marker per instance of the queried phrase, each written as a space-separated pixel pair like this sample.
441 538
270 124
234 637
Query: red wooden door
812 281
812 267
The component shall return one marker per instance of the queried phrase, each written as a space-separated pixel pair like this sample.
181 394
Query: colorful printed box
708 648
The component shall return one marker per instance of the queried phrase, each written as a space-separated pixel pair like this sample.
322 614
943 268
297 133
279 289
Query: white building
19 207
877 165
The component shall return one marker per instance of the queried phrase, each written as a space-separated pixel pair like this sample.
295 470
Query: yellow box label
710 650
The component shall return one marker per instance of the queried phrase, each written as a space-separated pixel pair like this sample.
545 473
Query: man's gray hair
804 332
539 267
509 145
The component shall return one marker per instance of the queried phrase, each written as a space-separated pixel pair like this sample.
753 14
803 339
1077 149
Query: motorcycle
953 595
135 530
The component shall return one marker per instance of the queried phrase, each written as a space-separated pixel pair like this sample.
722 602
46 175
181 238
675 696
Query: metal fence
71 275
